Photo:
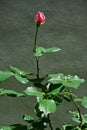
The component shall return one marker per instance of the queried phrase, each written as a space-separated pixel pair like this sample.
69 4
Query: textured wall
65 27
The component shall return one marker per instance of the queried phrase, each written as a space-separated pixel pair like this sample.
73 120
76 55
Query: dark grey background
65 27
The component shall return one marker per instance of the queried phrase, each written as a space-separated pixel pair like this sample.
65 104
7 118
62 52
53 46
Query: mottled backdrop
65 27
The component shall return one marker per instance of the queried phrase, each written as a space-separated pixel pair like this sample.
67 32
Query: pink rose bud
40 18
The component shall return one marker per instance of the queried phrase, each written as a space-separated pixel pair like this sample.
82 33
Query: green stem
35 40
34 49
38 69
78 109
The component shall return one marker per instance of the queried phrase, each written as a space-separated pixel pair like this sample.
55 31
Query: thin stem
78 109
34 122
35 40
37 62
50 125
34 49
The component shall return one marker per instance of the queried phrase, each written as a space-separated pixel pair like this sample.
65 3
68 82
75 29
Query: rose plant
49 90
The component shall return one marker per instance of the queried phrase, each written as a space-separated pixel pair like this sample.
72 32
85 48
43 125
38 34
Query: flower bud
40 18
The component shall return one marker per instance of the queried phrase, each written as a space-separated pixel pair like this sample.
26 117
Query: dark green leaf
47 106
56 91
67 126
57 99
41 50
19 127
14 127
84 102
84 126
21 79
10 92
58 129
32 91
4 75
67 98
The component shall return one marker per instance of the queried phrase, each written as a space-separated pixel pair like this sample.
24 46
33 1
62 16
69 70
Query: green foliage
45 106
6 128
18 71
14 127
68 81
10 93
75 116
69 126
84 102
28 118
56 90
4 75
32 91
20 75
21 79
41 50
55 78
49 91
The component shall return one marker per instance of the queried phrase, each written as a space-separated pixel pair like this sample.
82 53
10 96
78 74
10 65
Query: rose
40 18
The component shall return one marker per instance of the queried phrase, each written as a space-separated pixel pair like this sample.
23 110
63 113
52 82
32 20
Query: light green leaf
72 81
56 78
85 118
7 127
4 75
18 71
75 116
84 102
28 118
41 50
47 106
78 99
10 92
21 79
32 91
51 50
68 81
